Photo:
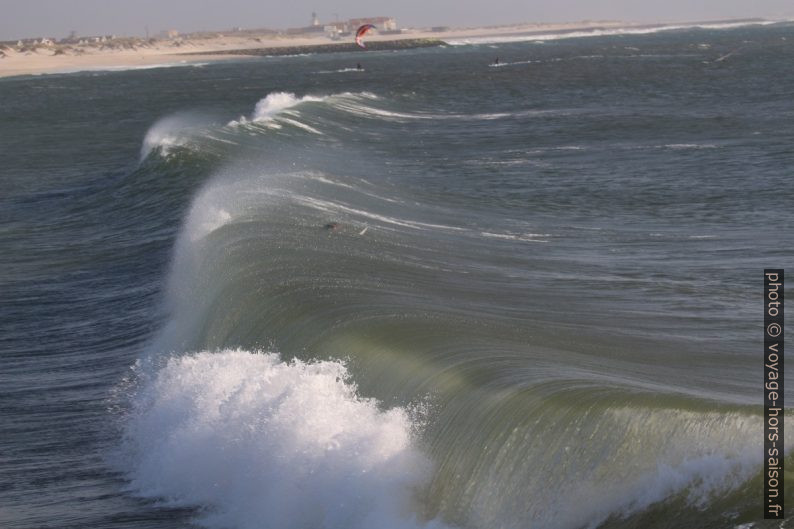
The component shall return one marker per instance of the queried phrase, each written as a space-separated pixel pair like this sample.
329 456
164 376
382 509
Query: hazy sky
55 18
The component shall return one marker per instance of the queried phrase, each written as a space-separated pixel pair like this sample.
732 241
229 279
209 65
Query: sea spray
177 130
258 442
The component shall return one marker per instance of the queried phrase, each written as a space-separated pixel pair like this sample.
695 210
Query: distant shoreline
409 43
399 44
129 53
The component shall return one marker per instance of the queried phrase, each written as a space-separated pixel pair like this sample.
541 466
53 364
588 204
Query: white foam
335 207
526 237
166 134
180 64
256 442
354 107
343 70
268 107
276 102
296 123
124 68
684 146
543 150
514 63
367 111
273 107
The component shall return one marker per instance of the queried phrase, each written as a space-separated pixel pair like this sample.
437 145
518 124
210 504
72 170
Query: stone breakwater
328 48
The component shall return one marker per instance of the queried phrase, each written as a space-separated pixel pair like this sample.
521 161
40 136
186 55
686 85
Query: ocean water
282 293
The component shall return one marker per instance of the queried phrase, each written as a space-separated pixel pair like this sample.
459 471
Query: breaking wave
305 245
257 442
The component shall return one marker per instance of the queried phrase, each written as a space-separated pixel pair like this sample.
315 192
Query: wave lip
257 442
277 102
274 108
168 134
271 105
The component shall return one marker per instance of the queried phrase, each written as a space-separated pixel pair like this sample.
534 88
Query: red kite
360 32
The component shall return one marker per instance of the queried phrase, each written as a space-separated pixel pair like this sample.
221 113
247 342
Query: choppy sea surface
284 293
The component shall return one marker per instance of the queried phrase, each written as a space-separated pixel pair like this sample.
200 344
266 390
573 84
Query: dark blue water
283 293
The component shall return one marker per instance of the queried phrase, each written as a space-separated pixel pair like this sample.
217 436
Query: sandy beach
188 50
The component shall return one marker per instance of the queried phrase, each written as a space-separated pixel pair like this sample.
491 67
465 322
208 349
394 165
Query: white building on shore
340 28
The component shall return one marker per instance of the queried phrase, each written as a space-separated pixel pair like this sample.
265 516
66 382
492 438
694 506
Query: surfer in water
331 226
358 66
496 62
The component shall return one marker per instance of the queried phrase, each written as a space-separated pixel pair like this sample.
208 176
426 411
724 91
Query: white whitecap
256 442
